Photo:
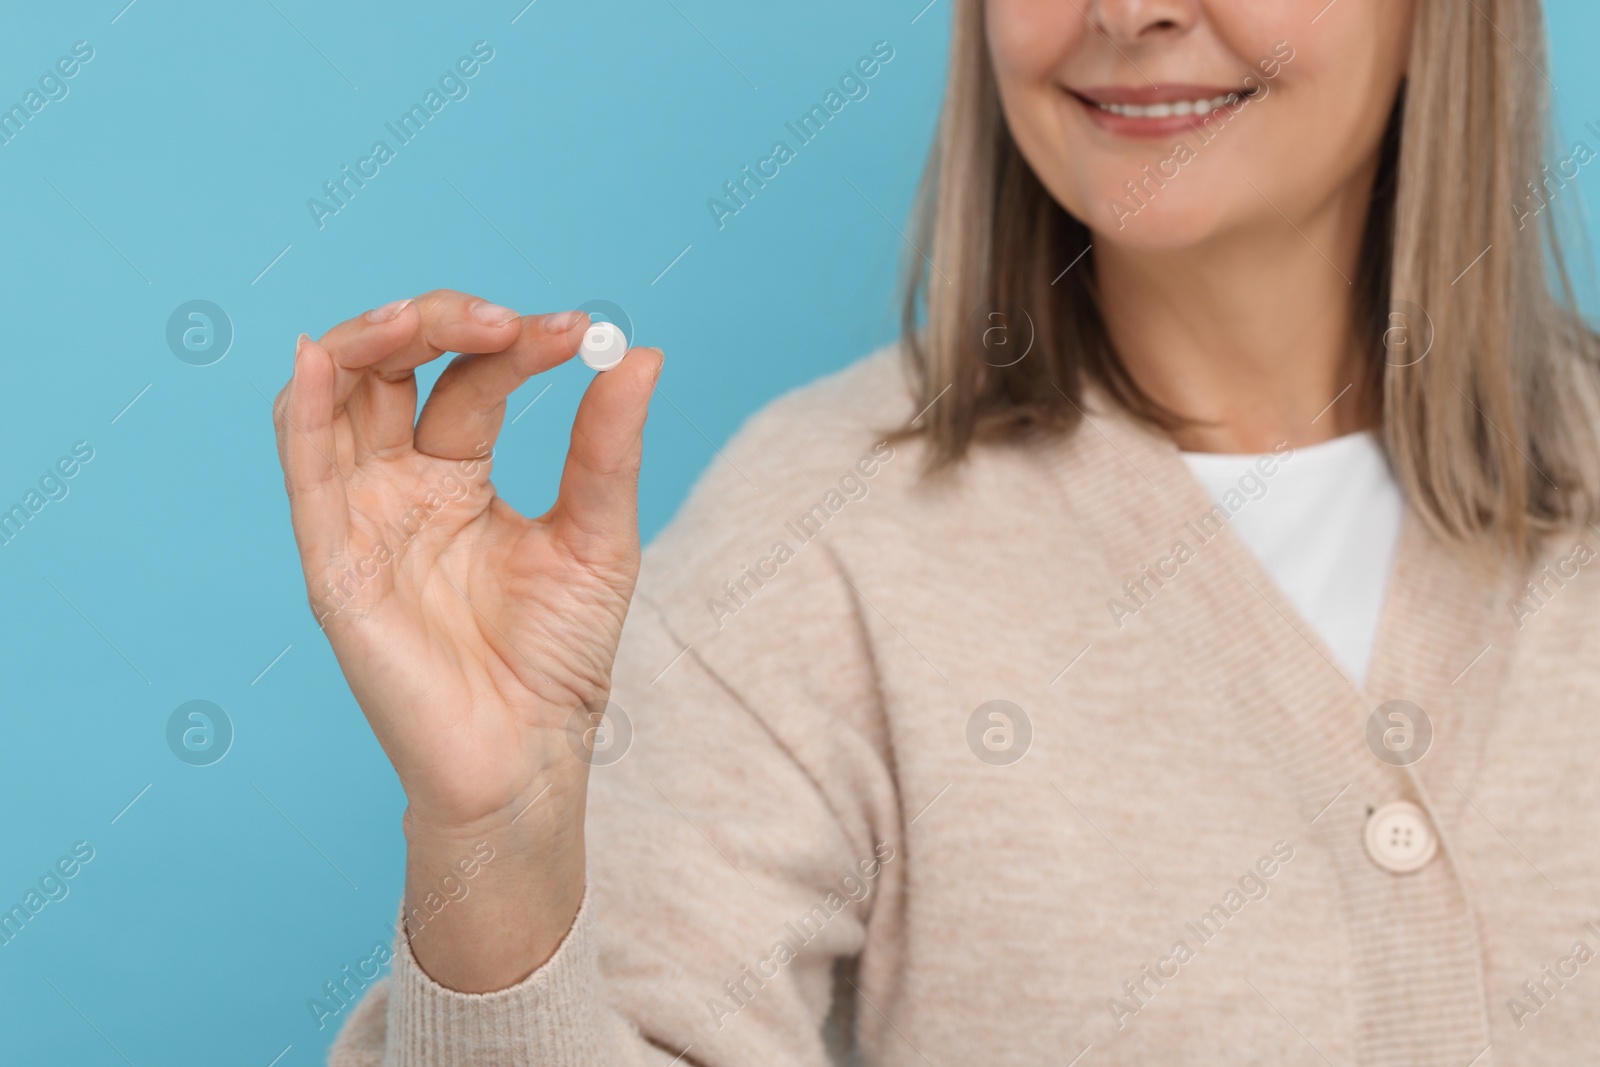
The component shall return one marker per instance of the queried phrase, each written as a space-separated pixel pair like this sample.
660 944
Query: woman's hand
475 639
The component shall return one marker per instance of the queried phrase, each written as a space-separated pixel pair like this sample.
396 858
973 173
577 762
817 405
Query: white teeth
1180 107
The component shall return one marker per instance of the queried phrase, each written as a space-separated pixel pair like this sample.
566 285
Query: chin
1173 218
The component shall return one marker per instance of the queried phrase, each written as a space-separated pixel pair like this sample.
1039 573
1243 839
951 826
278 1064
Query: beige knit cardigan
821 834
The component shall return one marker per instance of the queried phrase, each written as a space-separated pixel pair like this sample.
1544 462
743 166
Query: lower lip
1131 126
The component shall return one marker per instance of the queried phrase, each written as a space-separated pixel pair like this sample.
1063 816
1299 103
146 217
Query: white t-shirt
1325 530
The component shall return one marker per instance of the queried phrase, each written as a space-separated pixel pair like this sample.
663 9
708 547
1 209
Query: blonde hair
1494 435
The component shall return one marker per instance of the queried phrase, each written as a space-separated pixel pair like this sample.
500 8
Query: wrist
543 809
488 903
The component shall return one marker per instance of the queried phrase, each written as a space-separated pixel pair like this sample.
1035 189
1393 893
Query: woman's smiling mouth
1159 110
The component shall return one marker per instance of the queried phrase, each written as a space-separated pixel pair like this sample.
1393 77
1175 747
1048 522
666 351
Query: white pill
604 345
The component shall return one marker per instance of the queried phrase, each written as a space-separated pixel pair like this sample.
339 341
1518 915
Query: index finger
390 342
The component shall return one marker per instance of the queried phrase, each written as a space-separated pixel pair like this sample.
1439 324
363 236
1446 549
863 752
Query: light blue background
178 168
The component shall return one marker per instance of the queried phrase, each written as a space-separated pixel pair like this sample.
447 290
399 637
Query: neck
1251 333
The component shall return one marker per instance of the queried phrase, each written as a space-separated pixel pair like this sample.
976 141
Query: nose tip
1133 21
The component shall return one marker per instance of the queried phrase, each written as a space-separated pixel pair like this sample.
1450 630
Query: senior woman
1178 649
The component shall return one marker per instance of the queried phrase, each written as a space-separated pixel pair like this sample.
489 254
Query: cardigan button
1399 838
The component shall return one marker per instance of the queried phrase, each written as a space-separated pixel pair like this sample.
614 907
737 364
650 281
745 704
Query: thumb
597 507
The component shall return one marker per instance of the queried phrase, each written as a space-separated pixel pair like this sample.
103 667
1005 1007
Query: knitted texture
1151 852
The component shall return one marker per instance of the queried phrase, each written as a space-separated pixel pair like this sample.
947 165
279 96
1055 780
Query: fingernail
387 312
299 343
492 314
562 322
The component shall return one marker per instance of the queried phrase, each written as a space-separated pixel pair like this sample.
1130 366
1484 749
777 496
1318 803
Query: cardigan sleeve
736 851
